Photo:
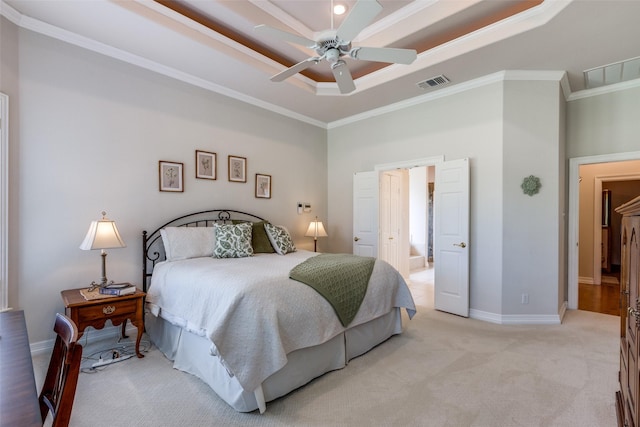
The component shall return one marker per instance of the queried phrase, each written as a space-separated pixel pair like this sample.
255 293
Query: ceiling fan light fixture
332 44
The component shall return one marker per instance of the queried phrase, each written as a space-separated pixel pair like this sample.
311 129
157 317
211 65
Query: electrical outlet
525 298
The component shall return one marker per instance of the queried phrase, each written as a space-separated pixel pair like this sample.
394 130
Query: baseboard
516 319
563 310
43 347
586 280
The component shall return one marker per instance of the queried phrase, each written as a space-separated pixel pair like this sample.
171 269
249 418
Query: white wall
467 124
601 124
508 130
92 130
531 224
604 124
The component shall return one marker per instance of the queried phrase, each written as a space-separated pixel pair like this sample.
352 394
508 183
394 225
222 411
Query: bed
239 323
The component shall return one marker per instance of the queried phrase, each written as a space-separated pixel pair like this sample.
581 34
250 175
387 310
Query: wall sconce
315 230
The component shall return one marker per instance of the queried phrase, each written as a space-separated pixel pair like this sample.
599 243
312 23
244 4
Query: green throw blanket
342 279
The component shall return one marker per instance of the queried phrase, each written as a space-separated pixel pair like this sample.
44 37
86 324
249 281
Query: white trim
408 164
586 280
574 198
499 76
4 201
104 49
588 93
44 347
518 319
538 14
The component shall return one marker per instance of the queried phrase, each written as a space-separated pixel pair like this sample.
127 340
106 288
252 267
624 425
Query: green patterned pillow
232 240
280 238
259 240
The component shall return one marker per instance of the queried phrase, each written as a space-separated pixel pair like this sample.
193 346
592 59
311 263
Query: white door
365 214
451 237
390 218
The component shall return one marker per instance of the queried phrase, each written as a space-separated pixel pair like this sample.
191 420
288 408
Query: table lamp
315 230
103 234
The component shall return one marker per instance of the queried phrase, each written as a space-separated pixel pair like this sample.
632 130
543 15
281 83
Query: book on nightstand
118 289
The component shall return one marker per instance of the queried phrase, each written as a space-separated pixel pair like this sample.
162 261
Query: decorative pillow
259 240
280 238
232 240
187 242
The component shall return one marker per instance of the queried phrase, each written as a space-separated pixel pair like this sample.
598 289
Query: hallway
604 298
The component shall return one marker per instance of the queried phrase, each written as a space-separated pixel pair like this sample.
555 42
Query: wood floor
604 298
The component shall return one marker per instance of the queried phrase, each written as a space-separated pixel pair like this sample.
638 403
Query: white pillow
187 242
280 238
233 240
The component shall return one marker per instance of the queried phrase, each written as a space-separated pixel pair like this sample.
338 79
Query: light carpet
443 370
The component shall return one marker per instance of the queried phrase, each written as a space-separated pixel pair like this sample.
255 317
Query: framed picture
263 186
206 165
237 169
171 176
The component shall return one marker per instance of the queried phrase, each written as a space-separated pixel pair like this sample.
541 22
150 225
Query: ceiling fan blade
384 54
343 77
360 16
289 37
300 66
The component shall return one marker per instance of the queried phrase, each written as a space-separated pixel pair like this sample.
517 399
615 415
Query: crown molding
40 27
559 76
603 90
542 13
10 13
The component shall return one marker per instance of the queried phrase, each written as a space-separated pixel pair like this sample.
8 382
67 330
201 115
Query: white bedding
253 314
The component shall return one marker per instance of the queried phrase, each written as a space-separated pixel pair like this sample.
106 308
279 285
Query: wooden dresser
629 375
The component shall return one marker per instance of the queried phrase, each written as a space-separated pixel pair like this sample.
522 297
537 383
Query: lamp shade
102 234
316 229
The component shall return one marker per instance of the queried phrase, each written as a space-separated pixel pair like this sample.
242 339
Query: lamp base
103 280
103 284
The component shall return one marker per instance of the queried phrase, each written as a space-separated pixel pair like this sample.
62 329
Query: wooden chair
59 386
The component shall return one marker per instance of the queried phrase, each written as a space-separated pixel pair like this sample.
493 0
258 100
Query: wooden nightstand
96 312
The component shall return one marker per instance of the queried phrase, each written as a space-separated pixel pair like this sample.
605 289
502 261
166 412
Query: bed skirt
191 353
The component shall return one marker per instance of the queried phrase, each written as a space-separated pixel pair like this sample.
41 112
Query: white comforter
254 314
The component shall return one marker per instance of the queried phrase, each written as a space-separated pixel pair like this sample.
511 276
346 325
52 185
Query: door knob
635 313
391 238
461 244
355 239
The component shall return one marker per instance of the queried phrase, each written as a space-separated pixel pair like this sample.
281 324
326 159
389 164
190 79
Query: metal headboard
153 249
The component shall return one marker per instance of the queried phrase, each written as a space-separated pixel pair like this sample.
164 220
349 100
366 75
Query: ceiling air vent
433 82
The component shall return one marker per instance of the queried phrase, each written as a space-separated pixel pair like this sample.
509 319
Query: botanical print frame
206 165
263 186
171 176
237 169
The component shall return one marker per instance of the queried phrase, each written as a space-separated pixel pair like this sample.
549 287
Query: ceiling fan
332 45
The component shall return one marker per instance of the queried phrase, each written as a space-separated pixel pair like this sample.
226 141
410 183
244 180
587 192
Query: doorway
406 168
604 187
585 210
451 232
